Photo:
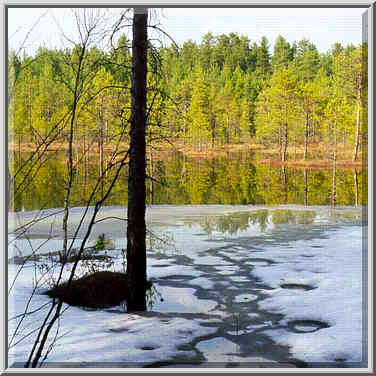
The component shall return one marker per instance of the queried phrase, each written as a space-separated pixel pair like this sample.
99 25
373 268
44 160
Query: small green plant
152 296
160 243
102 243
94 264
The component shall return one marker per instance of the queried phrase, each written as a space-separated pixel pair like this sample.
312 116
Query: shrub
102 243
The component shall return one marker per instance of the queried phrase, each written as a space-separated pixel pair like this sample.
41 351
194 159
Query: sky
322 26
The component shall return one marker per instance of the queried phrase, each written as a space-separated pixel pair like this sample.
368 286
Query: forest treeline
222 91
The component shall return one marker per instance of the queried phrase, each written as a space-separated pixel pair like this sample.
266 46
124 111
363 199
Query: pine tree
283 54
263 65
306 61
308 96
348 76
277 111
199 127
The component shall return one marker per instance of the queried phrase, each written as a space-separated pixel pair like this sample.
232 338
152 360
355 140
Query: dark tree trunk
136 230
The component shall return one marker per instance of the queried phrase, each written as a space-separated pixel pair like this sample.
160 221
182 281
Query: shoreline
267 156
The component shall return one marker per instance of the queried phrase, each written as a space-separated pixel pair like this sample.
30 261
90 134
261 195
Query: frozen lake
241 286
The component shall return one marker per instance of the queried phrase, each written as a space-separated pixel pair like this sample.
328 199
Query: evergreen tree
263 65
206 50
277 111
119 61
308 96
306 61
348 78
283 54
199 127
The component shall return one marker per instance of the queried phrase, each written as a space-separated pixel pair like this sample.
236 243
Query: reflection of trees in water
260 217
44 185
284 184
356 187
344 216
296 217
233 223
242 221
305 187
229 223
181 180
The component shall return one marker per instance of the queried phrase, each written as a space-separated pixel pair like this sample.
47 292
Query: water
226 253
205 274
204 269
235 179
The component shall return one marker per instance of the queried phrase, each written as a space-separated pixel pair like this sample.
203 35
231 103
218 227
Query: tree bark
285 142
306 127
357 131
136 230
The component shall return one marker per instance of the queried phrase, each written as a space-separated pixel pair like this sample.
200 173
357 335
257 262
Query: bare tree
88 25
88 30
136 230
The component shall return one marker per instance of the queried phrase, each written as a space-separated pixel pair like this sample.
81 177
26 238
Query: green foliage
283 54
102 243
263 58
278 110
307 60
222 91
199 124
152 297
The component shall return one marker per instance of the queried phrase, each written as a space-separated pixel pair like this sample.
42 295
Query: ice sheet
206 274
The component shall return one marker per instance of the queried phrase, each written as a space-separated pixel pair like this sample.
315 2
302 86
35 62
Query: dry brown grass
317 152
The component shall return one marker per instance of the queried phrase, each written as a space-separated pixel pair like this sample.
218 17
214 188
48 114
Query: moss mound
98 290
